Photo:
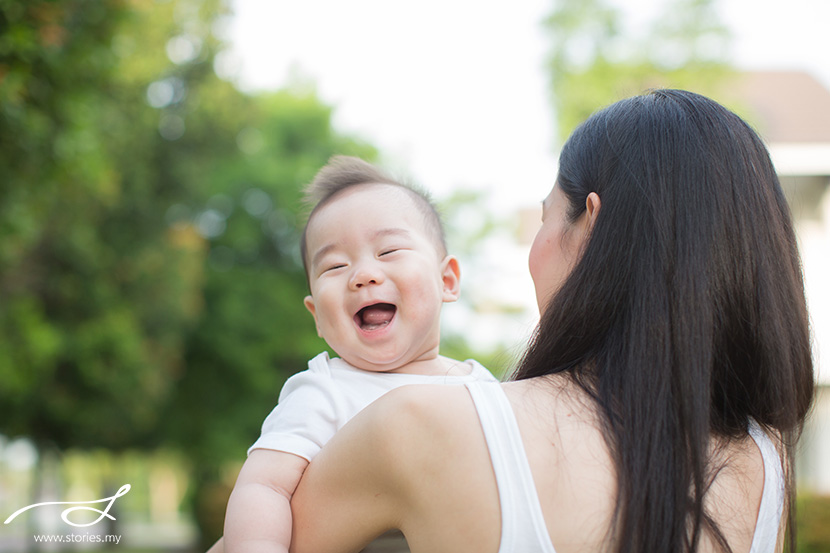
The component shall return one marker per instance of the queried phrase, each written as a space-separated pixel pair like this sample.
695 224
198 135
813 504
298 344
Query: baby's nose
365 276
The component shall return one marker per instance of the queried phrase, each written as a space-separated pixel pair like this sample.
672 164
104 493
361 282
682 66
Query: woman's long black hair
685 315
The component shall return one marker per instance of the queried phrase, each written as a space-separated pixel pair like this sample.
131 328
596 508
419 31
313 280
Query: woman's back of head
685 315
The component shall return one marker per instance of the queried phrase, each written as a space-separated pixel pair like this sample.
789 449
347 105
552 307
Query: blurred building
791 111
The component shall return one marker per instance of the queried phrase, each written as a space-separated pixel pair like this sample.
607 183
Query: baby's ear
308 301
451 277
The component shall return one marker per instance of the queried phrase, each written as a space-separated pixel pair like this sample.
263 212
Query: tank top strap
772 498
523 528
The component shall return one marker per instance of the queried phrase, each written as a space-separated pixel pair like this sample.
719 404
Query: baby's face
377 280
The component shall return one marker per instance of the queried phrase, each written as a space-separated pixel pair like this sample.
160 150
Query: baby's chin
378 365
406 363
389 361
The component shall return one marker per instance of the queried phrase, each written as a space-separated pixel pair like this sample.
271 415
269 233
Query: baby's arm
258 519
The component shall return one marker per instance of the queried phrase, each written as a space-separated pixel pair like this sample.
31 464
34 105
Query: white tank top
523 526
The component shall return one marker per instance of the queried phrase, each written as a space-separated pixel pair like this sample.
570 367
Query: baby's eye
334 267
387 252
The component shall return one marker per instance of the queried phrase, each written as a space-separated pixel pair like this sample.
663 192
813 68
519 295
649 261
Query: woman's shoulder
411 426
441 413
435 450
737 472
446 416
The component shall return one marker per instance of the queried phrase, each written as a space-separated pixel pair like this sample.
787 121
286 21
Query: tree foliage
597 57
150 285
95 291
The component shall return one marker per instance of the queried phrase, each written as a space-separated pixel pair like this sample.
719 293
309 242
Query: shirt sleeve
305 418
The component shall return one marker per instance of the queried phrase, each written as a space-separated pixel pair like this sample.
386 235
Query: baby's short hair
344 172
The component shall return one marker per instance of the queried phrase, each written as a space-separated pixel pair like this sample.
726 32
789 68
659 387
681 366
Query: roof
786 106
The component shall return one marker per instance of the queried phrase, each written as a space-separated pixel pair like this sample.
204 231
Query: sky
454 94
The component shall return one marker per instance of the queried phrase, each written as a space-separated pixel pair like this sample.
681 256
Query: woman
658 405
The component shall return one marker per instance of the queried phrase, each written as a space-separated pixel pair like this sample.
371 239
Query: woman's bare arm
352 493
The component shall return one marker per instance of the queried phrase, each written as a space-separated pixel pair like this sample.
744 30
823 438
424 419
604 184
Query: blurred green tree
598 57
811 523
150 286
97 291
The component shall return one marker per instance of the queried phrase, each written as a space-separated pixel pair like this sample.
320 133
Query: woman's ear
451 277
592 205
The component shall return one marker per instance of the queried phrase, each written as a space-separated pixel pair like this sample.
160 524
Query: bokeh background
152 154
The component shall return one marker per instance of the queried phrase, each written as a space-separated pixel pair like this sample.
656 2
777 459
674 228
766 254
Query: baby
378 271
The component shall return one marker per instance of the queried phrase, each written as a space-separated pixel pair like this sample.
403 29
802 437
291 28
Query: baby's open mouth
373 317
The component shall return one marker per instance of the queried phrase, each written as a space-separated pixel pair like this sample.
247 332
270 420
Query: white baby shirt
316 403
